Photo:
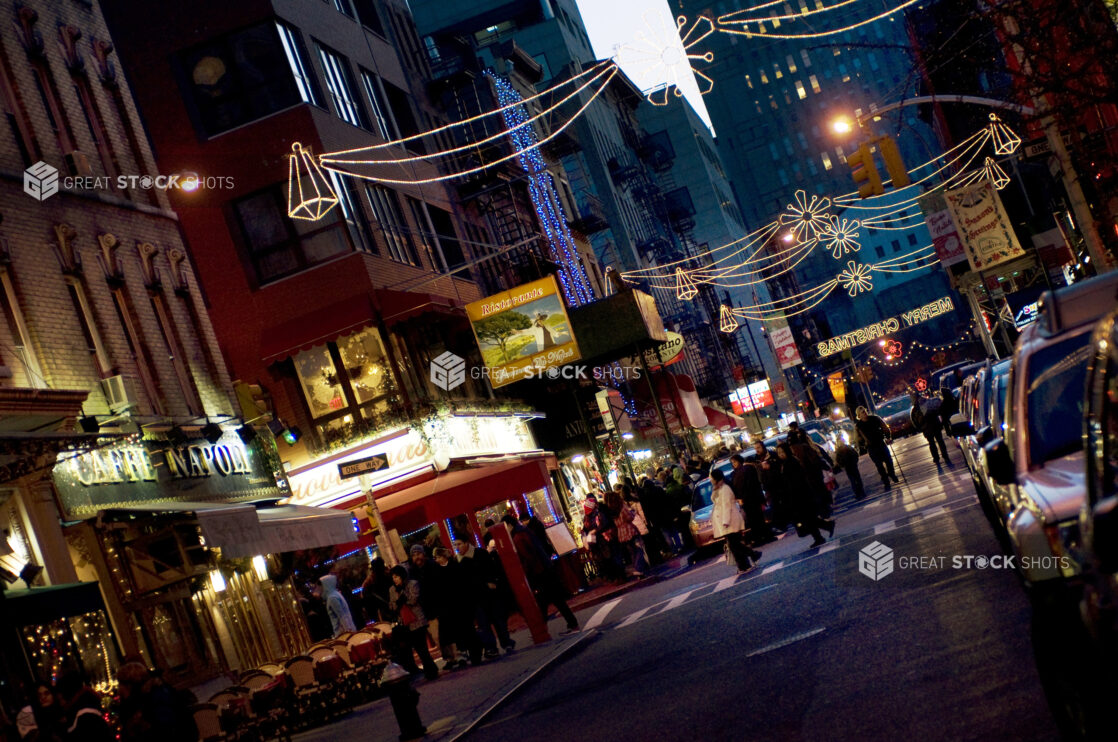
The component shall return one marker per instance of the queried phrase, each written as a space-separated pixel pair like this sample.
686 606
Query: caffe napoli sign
130 473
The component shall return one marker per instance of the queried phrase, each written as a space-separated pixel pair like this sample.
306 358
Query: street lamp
842 125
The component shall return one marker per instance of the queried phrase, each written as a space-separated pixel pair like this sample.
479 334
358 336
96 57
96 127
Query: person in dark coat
484 584
801 502
930 426
814 465
84 715
653 500
768 468
874 436
948 407
374 593
846 456
540 572
746 483
455 611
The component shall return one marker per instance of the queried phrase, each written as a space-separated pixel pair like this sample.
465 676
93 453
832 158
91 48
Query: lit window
297 61
749 82
800 91
814 84
777 74
340 85
764 78
804 56
386 210
376 103
791 64
827 161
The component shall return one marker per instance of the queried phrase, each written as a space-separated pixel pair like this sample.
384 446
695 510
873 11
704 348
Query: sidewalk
455 702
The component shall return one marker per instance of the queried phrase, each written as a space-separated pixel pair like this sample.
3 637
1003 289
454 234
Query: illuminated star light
666 54
856 278
807 219
841 236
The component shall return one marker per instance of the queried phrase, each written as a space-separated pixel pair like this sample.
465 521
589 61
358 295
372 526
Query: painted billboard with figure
523 332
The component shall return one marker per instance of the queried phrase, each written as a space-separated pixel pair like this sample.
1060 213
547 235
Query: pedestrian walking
746 483
628 537
874 436
801 503
678 497
600 537
728 522
374 593
814 468
405 599
653 500
948 407
456 611
846 456
930 426
540 572
341 620
768 467
484 581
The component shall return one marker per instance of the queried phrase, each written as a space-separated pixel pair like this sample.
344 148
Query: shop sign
885 327
664 354
523 332
146 471
784 344
945 238
362 466
980 218
321 483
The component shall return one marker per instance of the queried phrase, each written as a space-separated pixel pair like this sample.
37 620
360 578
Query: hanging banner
980 218
838 387
784 345
523 331
945 238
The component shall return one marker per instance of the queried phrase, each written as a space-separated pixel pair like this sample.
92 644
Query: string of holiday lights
667 53
326 162
760 30
393 143
752 238
728 18
336 158
541 189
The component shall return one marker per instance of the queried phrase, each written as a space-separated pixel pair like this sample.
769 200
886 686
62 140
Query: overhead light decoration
856 278
726 321
661 52
684 286
841 236
309 193
807 218
291 435
993 172
1005 139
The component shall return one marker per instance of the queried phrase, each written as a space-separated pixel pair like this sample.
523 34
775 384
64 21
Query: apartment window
912 239
453 255
345 7
138 348
764 78
278 246
17 120
239 78
880 251
805 58
800 90
88 323
297 60
367 14
352 212
425 231
814 84
52 106
749 82
386 210
896 245
339 84
791 63
400 106
827 161
376 104
21 338
176 354
777 74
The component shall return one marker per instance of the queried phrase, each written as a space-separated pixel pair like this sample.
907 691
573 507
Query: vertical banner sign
980 218
945 238
784 345
838 387
523 332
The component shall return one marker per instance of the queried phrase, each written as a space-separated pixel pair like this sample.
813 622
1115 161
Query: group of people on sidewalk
460 599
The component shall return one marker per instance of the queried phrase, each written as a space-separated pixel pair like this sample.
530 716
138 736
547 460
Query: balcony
591 217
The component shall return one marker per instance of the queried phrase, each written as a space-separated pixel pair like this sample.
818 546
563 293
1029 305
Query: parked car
1037 466
978 422
827 432
895 414
946 375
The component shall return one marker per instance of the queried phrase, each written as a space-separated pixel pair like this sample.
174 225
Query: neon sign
885 327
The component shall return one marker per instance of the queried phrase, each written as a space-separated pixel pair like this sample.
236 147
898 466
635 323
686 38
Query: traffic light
863 168
894 165
254 401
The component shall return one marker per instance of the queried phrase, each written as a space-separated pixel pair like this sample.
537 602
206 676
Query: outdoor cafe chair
308 693
208 721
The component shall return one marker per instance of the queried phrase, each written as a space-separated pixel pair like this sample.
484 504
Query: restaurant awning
349 315
720 420
455 492
241 530
45 604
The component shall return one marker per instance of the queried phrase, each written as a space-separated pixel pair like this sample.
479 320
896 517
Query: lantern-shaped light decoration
726 320
1005 139
684 286
993 172
309 195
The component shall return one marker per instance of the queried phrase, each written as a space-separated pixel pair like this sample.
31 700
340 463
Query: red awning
466 490
316 327
721 420
343 317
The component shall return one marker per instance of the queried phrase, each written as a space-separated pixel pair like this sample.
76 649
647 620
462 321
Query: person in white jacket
728 522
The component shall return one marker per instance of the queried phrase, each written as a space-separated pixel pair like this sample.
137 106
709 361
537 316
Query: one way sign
358 467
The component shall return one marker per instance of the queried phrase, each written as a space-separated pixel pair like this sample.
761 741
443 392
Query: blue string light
541 189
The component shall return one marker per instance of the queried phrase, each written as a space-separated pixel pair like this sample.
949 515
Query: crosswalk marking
677 601
600 615
786 642
772 568
932 512
829 546
725 583
634 617
881 528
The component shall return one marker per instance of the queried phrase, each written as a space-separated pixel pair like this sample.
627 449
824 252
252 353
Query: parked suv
979 421
1038 466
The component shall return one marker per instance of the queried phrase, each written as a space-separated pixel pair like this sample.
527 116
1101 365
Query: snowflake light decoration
726 321
841 236
993 172
684 286
1006 140
856 278
808 219
668 54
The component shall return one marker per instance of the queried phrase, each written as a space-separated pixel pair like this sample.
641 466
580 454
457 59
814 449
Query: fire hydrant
404 699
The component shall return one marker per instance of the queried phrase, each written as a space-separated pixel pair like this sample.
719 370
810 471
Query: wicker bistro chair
208 720
235 711
365 656
309 698
338 684
270 705
272 668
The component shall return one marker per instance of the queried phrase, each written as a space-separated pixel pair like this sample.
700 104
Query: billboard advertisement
523 332
755 396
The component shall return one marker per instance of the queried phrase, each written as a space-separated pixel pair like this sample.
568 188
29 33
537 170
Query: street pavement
806 647
801 647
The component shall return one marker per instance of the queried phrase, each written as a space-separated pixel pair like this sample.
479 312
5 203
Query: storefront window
540 505
319 378
365 361
85 641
